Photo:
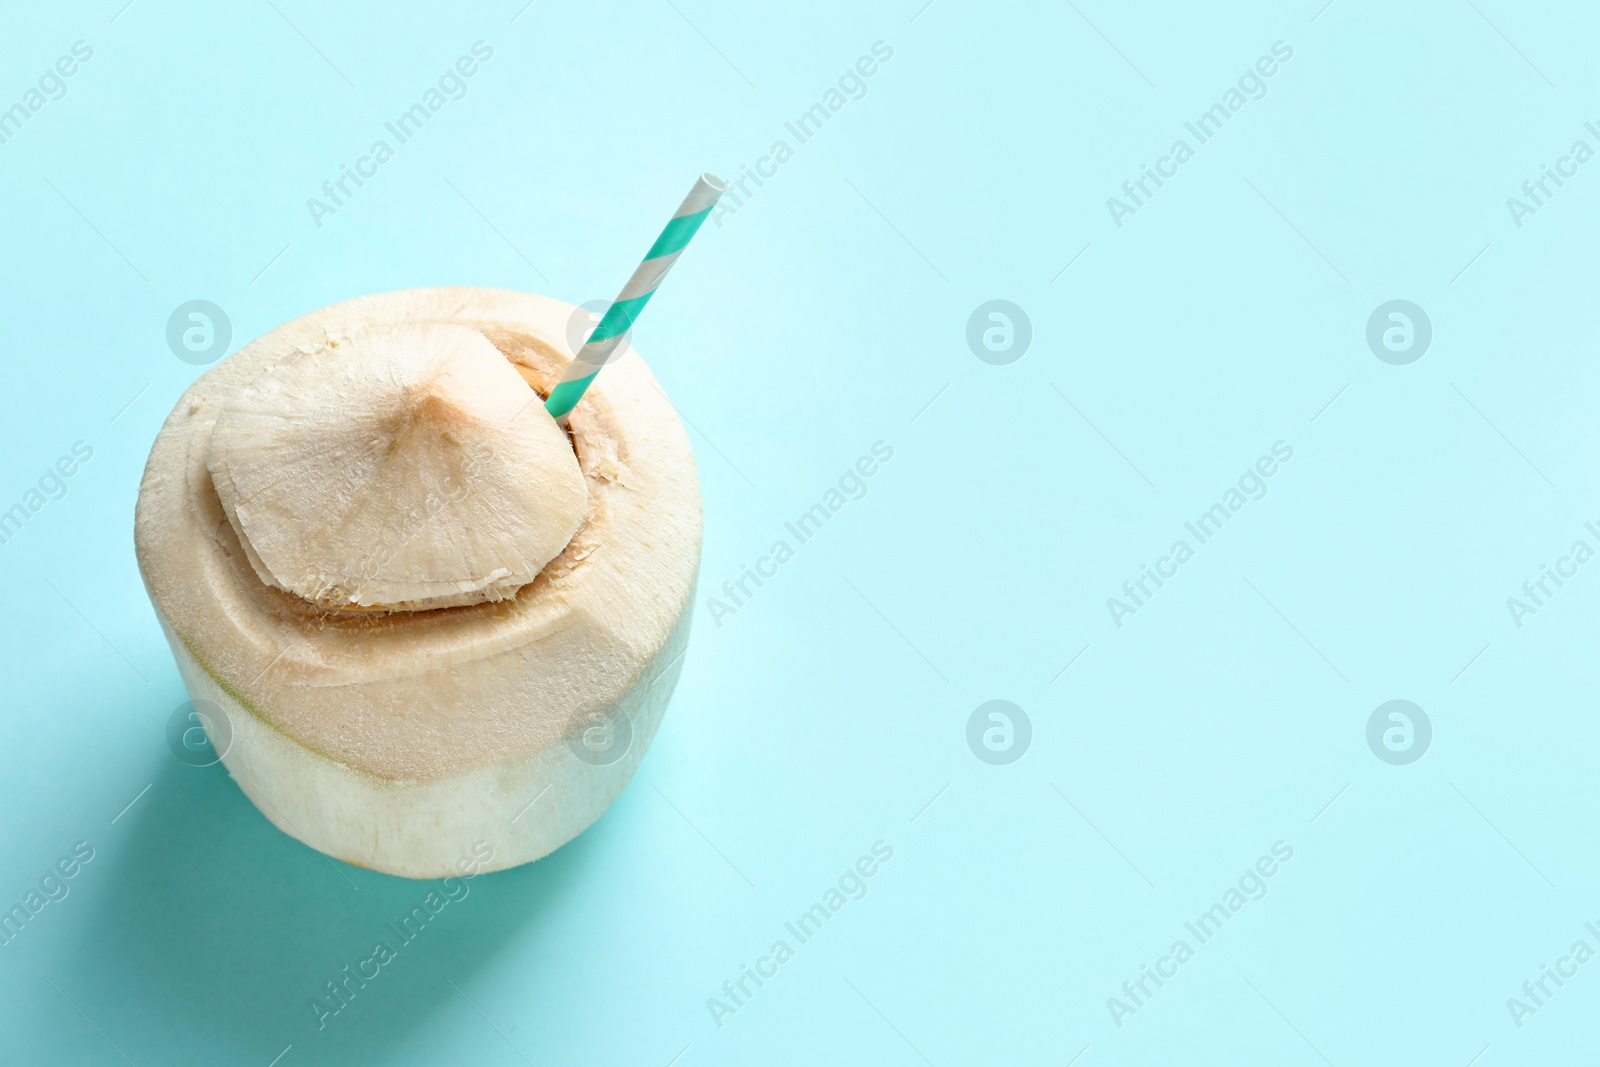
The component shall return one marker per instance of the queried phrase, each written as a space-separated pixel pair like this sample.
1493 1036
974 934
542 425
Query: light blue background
818 319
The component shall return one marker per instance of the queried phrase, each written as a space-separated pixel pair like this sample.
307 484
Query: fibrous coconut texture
419 438
416 599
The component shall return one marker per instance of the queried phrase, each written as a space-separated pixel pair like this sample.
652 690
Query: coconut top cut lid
402 468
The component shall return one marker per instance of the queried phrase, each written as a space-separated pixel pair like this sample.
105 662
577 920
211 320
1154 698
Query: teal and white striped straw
620 316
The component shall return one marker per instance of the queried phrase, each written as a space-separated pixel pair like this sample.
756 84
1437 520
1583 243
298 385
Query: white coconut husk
397 739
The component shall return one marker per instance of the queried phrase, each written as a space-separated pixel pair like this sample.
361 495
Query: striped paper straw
622 313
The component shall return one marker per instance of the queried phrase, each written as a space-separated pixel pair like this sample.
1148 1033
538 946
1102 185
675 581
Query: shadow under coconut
220 932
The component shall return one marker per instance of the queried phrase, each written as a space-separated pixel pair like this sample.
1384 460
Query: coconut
425 616
419 441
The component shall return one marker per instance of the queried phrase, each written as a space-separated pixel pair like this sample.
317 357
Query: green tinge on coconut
431 618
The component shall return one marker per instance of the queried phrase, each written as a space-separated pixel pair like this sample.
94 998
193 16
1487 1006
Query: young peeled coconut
428 615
